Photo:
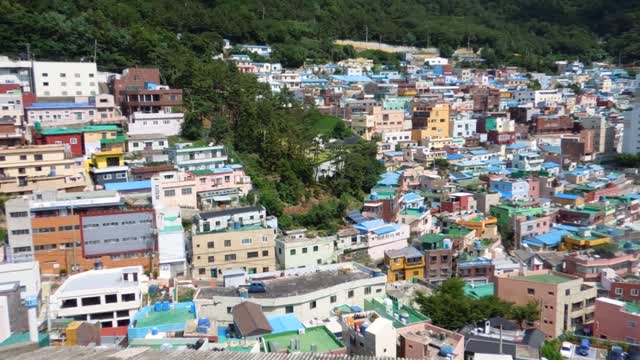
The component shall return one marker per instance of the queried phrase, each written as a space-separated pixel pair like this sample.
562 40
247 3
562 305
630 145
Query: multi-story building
214 186
459 202
438 255
233 238
12 120
631 139
186 156
108 167
110 296
617 320
427 341
147 143
462 125
166 123
404 264
382 236
24 169
511 189
27 274
65 79
308 292
528 161
132 78
174 189
68 232
295 249
151 98
50 115
565 301
16 72
369 334
590 266
430 120
172 257
604 138
530 225
71 137
94 137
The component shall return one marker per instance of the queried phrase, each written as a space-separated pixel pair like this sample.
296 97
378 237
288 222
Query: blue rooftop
387 229
550 165
454 157
550 239
352 78
530 154
393 153
478 152
369 225
284 323
410 197
60 105
566 196
517 146
129 186
389 178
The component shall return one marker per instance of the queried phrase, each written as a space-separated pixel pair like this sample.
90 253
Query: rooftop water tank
165 305
204 322
154 331
158 306
445 350
363 328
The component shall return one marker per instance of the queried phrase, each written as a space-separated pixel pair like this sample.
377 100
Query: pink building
231 176
590 267
389 120
425 341
617 320
531 225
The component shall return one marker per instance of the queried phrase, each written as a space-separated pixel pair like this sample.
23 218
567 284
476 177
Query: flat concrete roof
544 278
291 286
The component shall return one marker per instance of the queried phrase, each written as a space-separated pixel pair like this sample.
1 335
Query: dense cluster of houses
494 176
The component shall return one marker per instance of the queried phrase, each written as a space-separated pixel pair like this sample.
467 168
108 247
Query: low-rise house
404 264
308 292
110 296
427 341
590 266
511 189
232 238
369 334
108 167
167 123
187 156
382 236
147 142
296 249
438 255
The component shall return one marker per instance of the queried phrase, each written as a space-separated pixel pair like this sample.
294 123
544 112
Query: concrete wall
123 232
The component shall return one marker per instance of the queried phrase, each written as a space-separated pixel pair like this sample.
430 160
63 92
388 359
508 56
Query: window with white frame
246 241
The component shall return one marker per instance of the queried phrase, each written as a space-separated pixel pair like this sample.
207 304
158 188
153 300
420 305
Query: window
304 250
333 299
246 241
23 157
45 75
46 83
2 158
111 298
128 297
618 291
77 75
315 248
567 292
92 300
230 257
292 252
202 271
91 75
350 294
69 303
19 214
227 243
367 290
106 177
252 254
634 292
211 259
20 232
631 324
288 309
73 141
229 308
265 252
37 157
210 245
531 291
169 193
186 191
312 304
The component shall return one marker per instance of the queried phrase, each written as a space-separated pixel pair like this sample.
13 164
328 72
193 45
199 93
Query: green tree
551 350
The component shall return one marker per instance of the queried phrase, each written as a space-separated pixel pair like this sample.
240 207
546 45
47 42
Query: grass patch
324 124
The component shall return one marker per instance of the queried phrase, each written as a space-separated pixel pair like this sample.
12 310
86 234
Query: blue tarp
128 186
283 323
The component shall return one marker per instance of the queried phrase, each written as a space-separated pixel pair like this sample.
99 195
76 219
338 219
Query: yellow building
404 264
94 137
484 226
430 120
584 239
104 159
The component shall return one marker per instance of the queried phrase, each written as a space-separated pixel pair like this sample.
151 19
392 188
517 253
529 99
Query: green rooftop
457 232
91 128
157 318
118 139
411 212
177 343
319 336
431 238
23 338
171 228
633 308
379 307
60 131
479 291
544 278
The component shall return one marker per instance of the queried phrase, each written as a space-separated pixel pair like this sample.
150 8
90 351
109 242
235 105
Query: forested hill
129 32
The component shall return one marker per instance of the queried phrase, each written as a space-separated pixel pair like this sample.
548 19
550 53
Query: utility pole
95 50
28 52
366 33
73 239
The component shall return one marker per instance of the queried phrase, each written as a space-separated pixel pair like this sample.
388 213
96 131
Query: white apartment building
308 292
171 244
188 157
462 126
51 115
295 249
393 137
165 123
110 296
147 142
631 134
528 161
15 72
381 236
291 80
63 79
436 61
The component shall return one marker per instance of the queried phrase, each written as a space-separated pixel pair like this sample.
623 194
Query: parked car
257 287
583 349
566 350
617 353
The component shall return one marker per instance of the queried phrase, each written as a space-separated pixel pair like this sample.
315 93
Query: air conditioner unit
301 331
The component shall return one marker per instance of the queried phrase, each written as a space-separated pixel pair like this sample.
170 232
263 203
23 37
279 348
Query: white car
566 350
